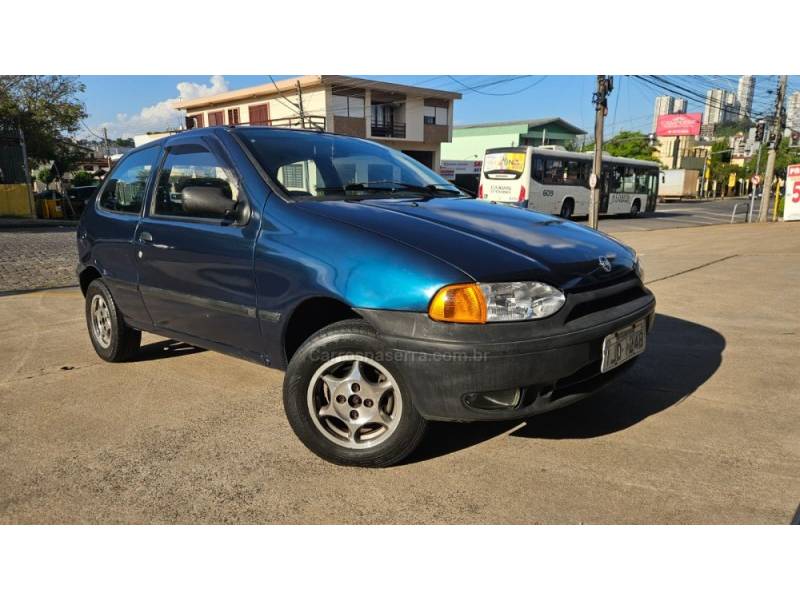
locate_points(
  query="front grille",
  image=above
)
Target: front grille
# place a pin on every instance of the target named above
(604, 298)
(604, 302)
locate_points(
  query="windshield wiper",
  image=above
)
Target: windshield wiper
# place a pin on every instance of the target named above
(378, 185)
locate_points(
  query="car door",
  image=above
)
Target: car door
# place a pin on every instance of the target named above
(196, 270)
(111, 227)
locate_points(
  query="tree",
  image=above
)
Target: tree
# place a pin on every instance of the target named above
(82, 178)
(47, 109)
(732, 128)
(45, 175)
(784, 157)
(628, 144)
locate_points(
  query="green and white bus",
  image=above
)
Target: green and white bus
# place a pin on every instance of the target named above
(557, 182)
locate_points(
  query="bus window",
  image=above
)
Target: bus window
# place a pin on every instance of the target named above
(553, 171)
(616, 183)
(642, 178)
(538, 169)
(629, 181)
(504, 165)
(572, 173)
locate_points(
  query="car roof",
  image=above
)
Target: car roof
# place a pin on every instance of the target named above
(216, 129)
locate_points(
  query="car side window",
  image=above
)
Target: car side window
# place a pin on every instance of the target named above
(192, 166)
(124, 192)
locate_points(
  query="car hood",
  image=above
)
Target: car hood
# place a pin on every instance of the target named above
(489, 242)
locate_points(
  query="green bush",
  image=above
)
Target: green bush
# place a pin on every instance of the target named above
(82, 178)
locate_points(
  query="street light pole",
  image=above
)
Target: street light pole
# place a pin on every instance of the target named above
(604, 87)
(769, 171)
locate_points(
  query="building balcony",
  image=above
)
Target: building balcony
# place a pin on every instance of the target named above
(388, 130)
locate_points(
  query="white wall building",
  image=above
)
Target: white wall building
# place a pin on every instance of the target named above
(744, 96)
(412, 119)
(721, 107)
(663, 106)
(793, 115)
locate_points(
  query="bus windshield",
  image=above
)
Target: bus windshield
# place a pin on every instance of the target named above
(504, 165)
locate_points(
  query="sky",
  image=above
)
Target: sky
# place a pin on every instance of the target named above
(132, 104)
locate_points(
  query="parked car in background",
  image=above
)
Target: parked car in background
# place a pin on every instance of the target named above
(388, 297)
(78, 197)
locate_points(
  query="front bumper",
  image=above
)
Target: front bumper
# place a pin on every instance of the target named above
(555, 361)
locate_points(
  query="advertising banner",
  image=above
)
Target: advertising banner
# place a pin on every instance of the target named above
(680, 124)
(791, 199)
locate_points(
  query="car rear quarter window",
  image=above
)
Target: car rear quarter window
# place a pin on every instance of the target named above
(125, 191)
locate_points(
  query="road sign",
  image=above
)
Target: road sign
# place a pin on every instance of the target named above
(755, 179)
(593, 180)
(791, 198)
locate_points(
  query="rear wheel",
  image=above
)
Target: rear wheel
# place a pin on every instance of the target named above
(112, 339)
(636, 208)
(346, 404)
(567, 208)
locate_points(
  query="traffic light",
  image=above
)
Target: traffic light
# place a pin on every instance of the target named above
(760, 131)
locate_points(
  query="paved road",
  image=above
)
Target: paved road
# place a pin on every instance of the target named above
(672, 215)
(703, 429)
(46, 258)
(37, 258)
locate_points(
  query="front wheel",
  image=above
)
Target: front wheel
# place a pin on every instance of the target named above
(346, 402)
(636, 207)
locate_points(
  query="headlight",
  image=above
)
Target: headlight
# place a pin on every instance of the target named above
(491, 302)
(521, 300)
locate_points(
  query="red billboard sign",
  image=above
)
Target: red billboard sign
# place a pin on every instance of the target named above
(681, 124)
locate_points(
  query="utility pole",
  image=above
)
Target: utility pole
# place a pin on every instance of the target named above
(755, 187)
(26, 166)
(108, 152)
(775, 141)
(600, 100)
(300, 102)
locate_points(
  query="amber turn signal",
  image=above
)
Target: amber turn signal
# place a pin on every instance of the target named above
(460, 303)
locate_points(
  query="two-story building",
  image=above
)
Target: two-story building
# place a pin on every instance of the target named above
(412, 119)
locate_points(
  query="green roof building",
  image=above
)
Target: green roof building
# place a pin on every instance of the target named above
(471, 141)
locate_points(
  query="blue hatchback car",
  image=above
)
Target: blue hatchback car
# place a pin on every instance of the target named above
(388, 296)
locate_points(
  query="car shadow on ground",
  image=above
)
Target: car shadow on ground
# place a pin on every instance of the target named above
(680, 357)
(165, 349)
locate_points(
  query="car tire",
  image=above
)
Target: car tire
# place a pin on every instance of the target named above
(636, 207)
(112, 339)
(567, 208)
(346, 402)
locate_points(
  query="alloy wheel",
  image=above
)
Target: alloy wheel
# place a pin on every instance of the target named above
(354, 401)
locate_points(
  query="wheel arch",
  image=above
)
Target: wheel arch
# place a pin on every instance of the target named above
(308, 317)
(87, 276)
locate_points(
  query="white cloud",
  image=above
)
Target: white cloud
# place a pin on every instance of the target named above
(161, 115)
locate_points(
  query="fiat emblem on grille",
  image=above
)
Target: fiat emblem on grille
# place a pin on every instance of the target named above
(605, 264)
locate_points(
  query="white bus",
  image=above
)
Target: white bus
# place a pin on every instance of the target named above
(557, 181)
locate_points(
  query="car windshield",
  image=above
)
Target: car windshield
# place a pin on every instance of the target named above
(319, 166)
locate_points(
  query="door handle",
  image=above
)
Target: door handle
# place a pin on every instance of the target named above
(146, 237)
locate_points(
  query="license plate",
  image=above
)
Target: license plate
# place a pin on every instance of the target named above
(623, 345)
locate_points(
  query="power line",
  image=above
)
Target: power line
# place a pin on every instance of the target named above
(479, 91)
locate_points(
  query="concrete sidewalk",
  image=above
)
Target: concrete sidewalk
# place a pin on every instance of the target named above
(705, 428)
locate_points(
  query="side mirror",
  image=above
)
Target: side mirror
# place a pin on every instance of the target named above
(207, 202)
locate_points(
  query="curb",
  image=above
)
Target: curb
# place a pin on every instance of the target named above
(35, 223)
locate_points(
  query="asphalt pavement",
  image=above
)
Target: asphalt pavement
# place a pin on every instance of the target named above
(672, 215)
(703, 429)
